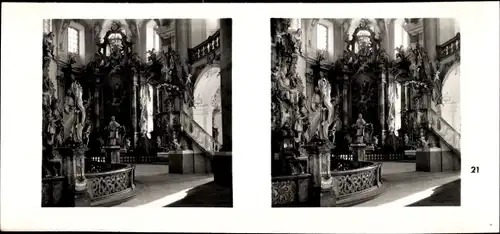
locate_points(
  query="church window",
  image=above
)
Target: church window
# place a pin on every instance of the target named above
(322, 37)
(152, 37)
(73, 41)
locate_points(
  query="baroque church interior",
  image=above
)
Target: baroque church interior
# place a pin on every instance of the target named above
(365, 112)
(136, 111)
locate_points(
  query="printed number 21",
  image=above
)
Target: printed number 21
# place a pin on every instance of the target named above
(474, 169)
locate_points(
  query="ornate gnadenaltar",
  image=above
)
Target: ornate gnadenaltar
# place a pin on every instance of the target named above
(172, 80)
(298, 123)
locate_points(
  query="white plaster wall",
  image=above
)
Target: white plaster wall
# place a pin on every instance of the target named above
(450, 111)
(205, 89)
(447, 29)
(211, 26)
(197, 31)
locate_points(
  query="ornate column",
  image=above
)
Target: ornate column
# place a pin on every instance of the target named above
(345, 101)
(135, 135)
(382, 107)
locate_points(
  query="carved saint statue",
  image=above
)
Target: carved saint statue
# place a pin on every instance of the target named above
(114, 132)
(360, 128)
(325, 92)
(48, 45)
(297, 38)
(75, 112)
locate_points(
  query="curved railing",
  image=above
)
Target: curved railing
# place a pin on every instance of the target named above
(449, 47)
(211, 44)
(118, 180)
(444, 130)
(198, 134)
(350, 182)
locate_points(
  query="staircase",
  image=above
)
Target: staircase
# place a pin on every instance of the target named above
(445, 131)
(198, 135)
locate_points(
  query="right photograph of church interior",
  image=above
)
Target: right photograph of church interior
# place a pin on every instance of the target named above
(365, 112)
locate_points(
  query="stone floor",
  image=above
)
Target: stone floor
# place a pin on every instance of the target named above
(160, 188)
(409, 187)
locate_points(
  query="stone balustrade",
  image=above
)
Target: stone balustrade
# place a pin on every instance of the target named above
(448, 48)
(211, 44)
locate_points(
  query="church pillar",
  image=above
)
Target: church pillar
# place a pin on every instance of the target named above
(430, 37)
(430, 41)
(226, 82)
(344, 100)
(181, 40)
(382, 107)
(222, 161)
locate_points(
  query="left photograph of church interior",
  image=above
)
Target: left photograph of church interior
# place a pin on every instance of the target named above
(137, 113)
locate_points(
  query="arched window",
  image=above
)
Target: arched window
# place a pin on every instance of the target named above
(47, 25)
(322, 37)
(73, 41)
(152, 37)
(401, 37)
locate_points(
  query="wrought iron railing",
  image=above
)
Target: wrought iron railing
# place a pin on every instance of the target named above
(198, 134)
(113, 182)
(444, 130)
(211, 44)
(448, 48)
(354, 181)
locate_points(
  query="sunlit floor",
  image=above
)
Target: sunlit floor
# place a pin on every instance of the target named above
(407, 187)
(160, 189)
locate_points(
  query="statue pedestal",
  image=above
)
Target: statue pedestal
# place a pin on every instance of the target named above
(324, 190)
(112, 154)
(358, 152)
(73, 160)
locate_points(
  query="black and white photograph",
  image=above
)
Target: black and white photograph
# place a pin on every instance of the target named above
(137, 113)
(365, 112)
